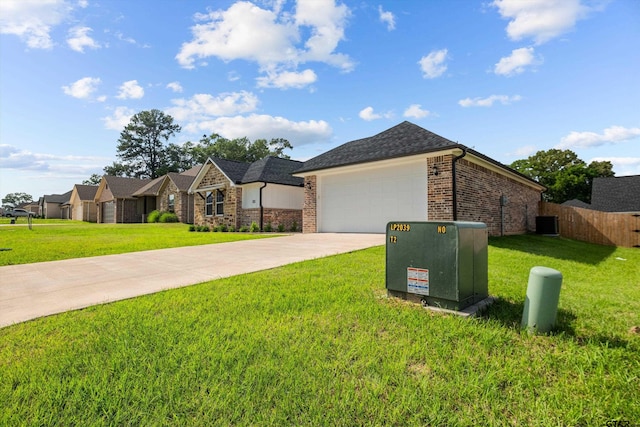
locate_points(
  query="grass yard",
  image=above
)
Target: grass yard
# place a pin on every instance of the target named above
(319, 343)
(55, 240)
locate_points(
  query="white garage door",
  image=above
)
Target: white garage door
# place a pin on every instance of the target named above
(365, 201)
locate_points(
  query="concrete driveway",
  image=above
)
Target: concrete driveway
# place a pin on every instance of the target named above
(34, 290)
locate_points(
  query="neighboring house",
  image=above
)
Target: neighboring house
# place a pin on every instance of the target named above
(31, 207)
(54, 206)
(82, 206)
(171, 193)
(116, 202)
(236, 194)
(407, 173)
(620, 194)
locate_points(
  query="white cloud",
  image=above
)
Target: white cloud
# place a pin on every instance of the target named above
(33, 20)
(175, 86)
(416, 111)
(387, 18)
(130, 90)
(18, 159)
(78, 38)
(433, 65)
(257, 126)
(610, 135)
(83, 88)
(525, 151)
(271, 38)
(203, 106)
(489, 101)
(119, 119)
(516, 63)
(540, 20)
(368, 114)
(288, 79)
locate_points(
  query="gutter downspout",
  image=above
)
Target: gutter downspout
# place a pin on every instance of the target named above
(261, 207)
(453, 183)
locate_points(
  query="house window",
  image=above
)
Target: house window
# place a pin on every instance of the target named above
(171, 202)
(208, 204)
(219, 203)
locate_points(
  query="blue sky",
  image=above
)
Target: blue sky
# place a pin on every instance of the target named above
(506, 77)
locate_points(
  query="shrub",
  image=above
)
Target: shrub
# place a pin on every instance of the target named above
(205, 228)
(243, 229)
(168, 217)
(153, 216)
(254, 227)
(192, 228)
(223, 228)
(281, 228)
(294, 227)
(232, 229)
(268, 228)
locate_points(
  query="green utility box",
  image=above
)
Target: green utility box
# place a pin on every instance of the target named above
(440, 263)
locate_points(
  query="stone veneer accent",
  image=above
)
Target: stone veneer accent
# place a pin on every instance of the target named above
(183, 202)
(309, 210)
(234, 215)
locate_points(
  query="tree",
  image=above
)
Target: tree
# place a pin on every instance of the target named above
(240, 149)
(565, 175)
(141, 144)
(94, 179)
(15, 199)
(119, 169)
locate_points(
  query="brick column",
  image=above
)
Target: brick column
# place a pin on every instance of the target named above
(439, 188)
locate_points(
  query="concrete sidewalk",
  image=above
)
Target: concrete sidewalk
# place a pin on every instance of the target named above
(35, 290)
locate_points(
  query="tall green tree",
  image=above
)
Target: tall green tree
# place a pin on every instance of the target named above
(94, 179)
(240, 149)
(141, 146)
(565, 175)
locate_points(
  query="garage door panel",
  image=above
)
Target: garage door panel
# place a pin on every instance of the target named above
(365, 201)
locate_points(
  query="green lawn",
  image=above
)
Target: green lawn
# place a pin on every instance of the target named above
(319, 343)
(54, 240)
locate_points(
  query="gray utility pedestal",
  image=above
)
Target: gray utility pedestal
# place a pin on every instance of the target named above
(439, 263)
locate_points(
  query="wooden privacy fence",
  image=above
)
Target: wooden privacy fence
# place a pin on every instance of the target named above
(603, 228)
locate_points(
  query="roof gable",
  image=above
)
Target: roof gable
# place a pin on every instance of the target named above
(234, 170)
(86, 192)
(57, 198)
(123, 188)
(405, 139)
(273, 170)
(616, 194)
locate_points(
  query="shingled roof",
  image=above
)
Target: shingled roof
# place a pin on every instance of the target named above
(273, 170)
(405, 139)
(617, 194)
(124, 188)
(233, 169)
(86, 192)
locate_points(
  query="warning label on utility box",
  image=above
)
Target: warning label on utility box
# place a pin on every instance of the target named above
(418, 281)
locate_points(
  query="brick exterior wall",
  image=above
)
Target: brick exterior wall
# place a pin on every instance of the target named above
(286, 217)
(439, 189)
(478, 198)
(309, 210)
(479, 192)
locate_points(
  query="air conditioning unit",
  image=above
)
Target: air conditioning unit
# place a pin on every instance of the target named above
(439, 263)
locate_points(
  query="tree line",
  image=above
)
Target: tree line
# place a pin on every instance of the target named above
(144, 150)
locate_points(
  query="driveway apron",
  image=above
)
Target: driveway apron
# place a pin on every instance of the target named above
(30, 291)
